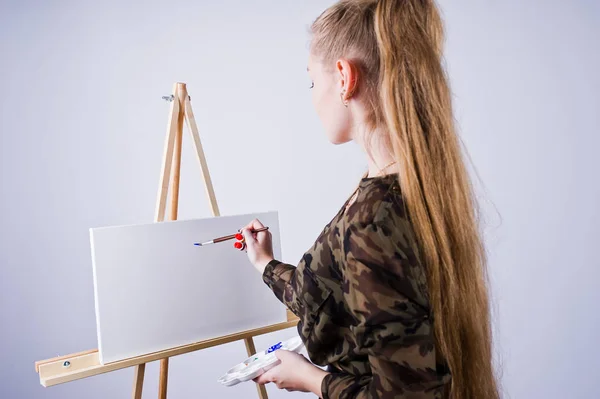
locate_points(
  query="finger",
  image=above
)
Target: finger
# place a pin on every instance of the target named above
(260, 379)
(256, 224)
(248, 226)
(264, 378)
(248, 236)
(285, 355)
(264, 236)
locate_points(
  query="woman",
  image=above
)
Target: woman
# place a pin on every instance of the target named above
(392, 296)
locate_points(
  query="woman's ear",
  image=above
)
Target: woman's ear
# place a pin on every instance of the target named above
(347, 77)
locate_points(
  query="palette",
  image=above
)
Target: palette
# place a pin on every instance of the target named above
(259, 363)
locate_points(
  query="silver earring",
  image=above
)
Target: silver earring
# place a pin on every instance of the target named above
(342, 97)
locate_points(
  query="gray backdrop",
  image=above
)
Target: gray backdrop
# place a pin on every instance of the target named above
(82, 128)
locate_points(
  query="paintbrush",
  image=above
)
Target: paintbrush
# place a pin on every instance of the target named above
(229, 237)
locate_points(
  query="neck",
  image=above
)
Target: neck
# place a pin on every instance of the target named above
(380, 159)
(380, 166)
(374, 144)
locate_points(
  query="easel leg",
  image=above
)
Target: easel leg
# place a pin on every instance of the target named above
(176, 168)
(163, 378)
(262, 391)
(165, 174)
(138, 381)
(191, 121)
(180, 94)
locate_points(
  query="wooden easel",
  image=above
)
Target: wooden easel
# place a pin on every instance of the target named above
(76, 366)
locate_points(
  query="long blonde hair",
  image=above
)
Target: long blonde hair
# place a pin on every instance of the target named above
(396, 45)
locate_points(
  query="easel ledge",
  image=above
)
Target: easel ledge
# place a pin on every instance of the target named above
(87, 364)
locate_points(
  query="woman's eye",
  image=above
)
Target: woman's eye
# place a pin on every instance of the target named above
(312, 84)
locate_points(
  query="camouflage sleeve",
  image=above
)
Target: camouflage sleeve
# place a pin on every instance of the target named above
(393, 330)
(281, 278)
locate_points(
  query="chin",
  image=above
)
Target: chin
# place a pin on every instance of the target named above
(338, 142)
(337, 139)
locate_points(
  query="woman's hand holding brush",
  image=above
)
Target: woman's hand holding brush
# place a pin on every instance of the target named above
(259, 245)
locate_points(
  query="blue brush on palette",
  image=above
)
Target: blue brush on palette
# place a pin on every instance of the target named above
(259, 363)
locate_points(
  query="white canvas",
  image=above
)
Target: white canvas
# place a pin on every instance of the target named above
(155, 290)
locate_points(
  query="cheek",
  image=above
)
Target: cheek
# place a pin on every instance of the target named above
(320, 103)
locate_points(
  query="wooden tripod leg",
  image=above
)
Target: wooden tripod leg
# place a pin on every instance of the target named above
(176, 160)
(165, 174)
(191, 122)
(176, 170)
(138, 381)
(162, 378)
(262, 391)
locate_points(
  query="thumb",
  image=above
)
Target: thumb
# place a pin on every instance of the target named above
(284, 354)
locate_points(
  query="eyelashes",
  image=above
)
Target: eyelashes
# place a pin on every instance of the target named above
(312, 84)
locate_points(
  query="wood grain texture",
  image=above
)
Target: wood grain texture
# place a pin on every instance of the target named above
(176, 167)
(167, 161)
(138, 381)
(191, 121)
(63, 358)
(163, 378)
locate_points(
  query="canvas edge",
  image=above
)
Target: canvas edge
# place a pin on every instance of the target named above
(96, 302)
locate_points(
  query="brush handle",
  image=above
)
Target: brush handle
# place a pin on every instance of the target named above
(260, 229)
(232, 236)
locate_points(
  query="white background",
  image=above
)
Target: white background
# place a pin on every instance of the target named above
(82, 128)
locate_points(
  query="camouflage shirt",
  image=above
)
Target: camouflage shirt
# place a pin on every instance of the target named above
(360, 293)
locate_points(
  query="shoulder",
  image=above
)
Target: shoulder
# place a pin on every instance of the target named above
(379, 234)
(379, 202)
